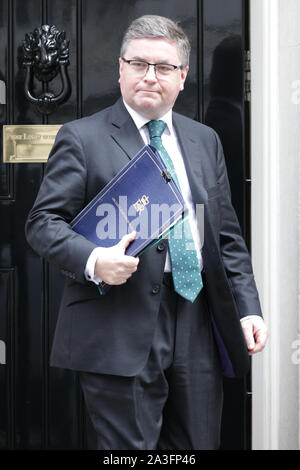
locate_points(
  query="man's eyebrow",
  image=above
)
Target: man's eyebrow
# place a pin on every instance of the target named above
(164, 61)
(136, 57)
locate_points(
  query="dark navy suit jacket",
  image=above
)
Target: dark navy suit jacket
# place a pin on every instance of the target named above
(112, 334)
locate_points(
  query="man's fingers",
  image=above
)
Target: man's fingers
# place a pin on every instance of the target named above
(127, 264)
(126, 240)
(256, 334)
(123, 269)
(261, 337)
(113, 266)
(248, 333)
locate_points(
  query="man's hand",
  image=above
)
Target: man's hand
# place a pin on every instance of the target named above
(113, 266)
(256, 334)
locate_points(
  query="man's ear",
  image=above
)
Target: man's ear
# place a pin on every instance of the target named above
(121, 63)
(183, 75)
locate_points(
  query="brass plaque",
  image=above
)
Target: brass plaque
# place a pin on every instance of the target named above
(28, 144)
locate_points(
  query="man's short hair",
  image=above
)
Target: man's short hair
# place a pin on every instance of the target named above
(154, 26)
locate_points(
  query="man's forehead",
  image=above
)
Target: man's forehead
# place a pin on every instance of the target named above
(152, 46)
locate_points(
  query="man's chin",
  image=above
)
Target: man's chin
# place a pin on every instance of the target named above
(149, 108)
(149, 101)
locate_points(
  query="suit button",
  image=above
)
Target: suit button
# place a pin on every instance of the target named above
(156, 289)
(160, 247)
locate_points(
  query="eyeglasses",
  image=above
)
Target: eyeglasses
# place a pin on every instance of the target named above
(141, 67)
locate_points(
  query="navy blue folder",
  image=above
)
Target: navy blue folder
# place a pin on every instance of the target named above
(141, 197)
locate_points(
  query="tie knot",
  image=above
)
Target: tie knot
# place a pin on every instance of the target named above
(156, 128)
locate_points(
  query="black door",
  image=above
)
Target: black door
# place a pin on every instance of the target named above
(42, 407)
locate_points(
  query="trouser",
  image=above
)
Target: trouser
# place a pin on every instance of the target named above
(175, 402)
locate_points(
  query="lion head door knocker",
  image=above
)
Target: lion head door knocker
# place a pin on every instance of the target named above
(46, 54)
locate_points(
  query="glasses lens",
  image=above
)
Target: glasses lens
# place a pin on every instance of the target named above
(164, 69)
(138, 66)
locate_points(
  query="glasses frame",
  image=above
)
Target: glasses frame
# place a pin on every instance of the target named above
(175, 67)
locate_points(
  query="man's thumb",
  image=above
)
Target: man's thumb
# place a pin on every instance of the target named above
(126, 240)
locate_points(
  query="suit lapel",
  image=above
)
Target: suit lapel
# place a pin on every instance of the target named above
(192, 159)
(124, 131)
(126, 135)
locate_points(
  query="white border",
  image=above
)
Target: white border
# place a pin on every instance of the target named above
(265, 154)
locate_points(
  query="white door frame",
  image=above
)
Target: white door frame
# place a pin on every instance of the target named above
(275, 131)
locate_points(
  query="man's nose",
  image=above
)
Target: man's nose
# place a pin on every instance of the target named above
(150, 75)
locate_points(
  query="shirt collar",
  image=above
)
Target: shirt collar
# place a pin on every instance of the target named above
(140, 121)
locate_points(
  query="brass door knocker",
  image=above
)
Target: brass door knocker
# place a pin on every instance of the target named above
(46, 53)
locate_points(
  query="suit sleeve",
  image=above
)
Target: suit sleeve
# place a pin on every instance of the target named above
(61, 196)
(234, 253)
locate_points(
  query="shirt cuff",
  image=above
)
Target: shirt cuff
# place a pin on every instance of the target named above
(250, 316)
(90, 266)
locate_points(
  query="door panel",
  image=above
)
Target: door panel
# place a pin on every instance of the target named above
(42, 407)
(224, 43)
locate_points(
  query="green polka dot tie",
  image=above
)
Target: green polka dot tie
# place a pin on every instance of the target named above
(185, 264)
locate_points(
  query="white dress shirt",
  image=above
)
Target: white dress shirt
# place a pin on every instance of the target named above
(170, 142)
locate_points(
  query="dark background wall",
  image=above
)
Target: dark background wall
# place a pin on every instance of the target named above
(42, 407)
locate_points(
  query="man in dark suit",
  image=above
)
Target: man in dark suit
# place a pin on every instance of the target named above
(150, 355)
